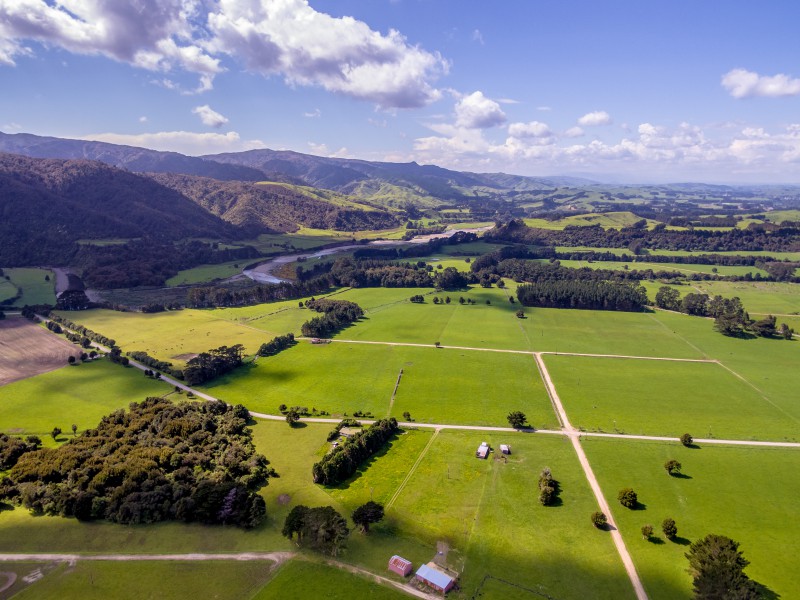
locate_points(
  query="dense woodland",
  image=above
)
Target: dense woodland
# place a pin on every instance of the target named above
(158, 461)
(213, 363)
(583, 294)
(336, 315)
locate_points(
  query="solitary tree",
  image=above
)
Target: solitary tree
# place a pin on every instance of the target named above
(366, 514)
(517, 419)
(71, 359)
(292, 418)
(55, 433)
(599, 519)
(669, 528)
(407, 416)
(628, 498)
(717, 569)
(520, 314)
(672, 466)
(647, 531)
(687, 439)
(74, 429)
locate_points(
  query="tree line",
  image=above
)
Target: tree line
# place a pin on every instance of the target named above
(583, 294)
(158, 461)
(276, 345)
(336, 314)
(343, 460)
(213, 363)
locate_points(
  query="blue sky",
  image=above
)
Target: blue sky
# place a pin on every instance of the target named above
(621, 91)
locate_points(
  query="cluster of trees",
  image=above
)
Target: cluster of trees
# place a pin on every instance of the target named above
(276, 345)
(213, 363)
(98, 338)
(343, 423)
(336, 314)
(158, 461)
(586, 294)
(717, 568)
(755, 237)
(343, 460)
(159, 365)
(730, 317)
(378, 273)
(12, 448)
(548, 488)
(320, 528)
(211, 296)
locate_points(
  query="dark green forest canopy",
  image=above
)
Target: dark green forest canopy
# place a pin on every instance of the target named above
(158, 461)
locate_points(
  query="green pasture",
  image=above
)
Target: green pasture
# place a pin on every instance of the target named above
(35, 290)
(768, 366)
(173, 335)
(758, 297)
(488, 511)
(391, 317)
(155, 580)
(607, 220)
(437, 385)
(620, 251)
(207, 273)
(647, 397)
(81, 394)
(747, 494)
(301, 580)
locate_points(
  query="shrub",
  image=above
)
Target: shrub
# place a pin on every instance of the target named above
(669, 528)
(599, 520)
(628, 498)
(687, 439)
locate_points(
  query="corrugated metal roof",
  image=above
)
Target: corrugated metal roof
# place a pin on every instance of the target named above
(400, 561)
(435, 577)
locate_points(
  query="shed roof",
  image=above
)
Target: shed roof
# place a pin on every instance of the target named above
(400, 561)
(435, 576)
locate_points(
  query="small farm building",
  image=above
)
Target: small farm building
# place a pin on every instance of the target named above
(505, 448)
(434, 578)
(483, 450)
(399, 565)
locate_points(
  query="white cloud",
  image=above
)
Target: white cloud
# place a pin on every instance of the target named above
(314, 114)
(272, 37)
(12, 127)
(185, 142)
(143, 119)
(323, 150)
(544, 108)
(476, 111)
(209, 116)
(598, 117)
(742, 83)
(534, 129)
(477, 36)
(507, 101)
(573, 132)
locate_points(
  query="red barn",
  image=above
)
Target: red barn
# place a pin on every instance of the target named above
(434, 578)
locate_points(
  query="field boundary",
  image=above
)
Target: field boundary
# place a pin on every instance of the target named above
(411, 471)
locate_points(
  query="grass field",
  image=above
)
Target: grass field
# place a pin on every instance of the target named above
(80, 394)
(153, 580)
(438, 385)
(646, 397)
(300, 580)
(35, 290)
(681, 268)
(205, 273)
(744, 493)
(7, 289)
(26, 349)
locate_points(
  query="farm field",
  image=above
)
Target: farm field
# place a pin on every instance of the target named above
(681, 268)
(437, 385)
(26, 349)
(80, 394)
(620, 251)
(717, 494)
(647, 397)
(154, 580)
(300, 580)
(205, 273)
(35, 290)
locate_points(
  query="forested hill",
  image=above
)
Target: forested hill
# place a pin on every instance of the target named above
(276, 206)
(48, 204)
(124, 157)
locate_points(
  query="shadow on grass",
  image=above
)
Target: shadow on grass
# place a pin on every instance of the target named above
(654, 539)
(681, 476)
(639, 506)
(365, 465)
(681, 541)
(299, 425)
(765, 593)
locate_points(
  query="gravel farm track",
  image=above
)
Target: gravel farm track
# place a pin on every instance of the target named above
(26, 349)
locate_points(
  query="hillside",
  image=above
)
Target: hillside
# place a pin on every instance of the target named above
(48, 204)
(124, 157)
(277, 206)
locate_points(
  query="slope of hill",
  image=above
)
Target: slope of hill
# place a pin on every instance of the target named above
(48, 204)
(277, 206)
(124, 157)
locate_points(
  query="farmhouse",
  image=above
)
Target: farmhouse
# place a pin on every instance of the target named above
(399, 565)
(482, 451)
(505, 448)
(434, 578)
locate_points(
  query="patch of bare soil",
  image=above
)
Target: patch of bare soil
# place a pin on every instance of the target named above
(284, 499)
(186, 356)
(26, 349)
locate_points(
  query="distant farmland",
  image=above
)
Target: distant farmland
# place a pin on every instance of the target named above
(27, 350)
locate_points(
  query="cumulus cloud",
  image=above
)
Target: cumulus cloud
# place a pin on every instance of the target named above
(323, 150)
(573, 132)
(209, 116)
(286, 38)
(143, 119)
(314, 114)
(742, 83)
(598, 117)
(476, 111)
(185, 142)
(534, 129)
